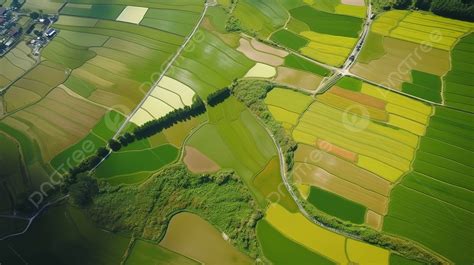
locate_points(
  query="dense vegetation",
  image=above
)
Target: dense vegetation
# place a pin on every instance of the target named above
(144, 211)
(457, 9)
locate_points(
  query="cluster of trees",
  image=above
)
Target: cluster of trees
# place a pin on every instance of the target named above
(458, 9)
(218, 96)
(83, 190)
(221, 199)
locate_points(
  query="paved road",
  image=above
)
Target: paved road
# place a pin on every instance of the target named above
(341, 72)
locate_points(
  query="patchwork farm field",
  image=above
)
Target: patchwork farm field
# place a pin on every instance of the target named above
(412, 51)
(309, 32)
(236, 132)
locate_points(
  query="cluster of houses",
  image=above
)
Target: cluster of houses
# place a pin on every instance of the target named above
(17, 25)
(10, 31)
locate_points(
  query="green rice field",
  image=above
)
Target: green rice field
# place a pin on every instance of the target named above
(441, 185)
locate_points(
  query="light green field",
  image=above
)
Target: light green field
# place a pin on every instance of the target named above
(209, 64)
(234, 139)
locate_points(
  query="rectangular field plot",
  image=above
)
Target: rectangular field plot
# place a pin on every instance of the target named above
(337, 206)
(132, 14)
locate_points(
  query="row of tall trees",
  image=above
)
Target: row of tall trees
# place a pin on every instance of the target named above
(218, 96)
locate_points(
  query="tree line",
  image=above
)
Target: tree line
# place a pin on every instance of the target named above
(74, 181)
(218, 96)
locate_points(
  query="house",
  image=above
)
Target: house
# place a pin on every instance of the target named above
(51, 33)
(2, 11)
(9, 42)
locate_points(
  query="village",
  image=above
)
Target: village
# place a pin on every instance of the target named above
(17, 24)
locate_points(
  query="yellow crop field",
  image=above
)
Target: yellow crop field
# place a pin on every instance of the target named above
(363, 253)
(329, 48)
(283, 115)
(363, 143)
(396, 99)
(288, 99)
(323, 57)
(350, 10)
(302, 137)
(327, 243)
(387, 21)
(418, 27)
(303, 190)
(329, 39)
(299, 229)
(406, 124)
(385, 171)
(407, 113)
(399, 135)
(346, 105)
(431, 29)
(407, 34)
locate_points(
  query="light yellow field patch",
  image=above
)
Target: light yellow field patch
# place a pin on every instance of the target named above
(167, 96)
(156, 107)
(141, 117)
(252, 53)
(132, 14)
(353, 2)
(261, 70)
(352, 10)
(363, 253)
(184, 91)
(396, 99)
(385, 171)
(407, 113)
(297, 228)
(283, 115)
(406, 124)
